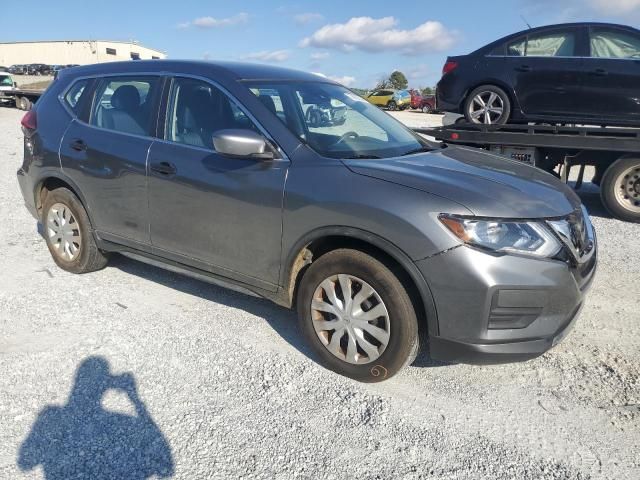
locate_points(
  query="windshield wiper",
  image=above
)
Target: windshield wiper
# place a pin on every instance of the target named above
(362, 157)
(417, 150)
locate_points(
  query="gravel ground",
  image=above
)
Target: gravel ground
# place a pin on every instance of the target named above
(135, 372)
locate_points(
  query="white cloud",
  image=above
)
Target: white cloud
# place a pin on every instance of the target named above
(376, 35)
(269, 56)
(319, 56)
(345, 80)
(615, 7)
(308, 17)
(211, 22)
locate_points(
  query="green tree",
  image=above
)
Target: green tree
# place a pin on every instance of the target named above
(398, 80)
(427, 91)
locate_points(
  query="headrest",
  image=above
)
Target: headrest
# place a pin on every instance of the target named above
(126, 97)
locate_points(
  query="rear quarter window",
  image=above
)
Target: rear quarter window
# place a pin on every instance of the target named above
(74, 94)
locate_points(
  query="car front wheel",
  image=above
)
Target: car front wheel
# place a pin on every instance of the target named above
(392, 106)
(488, 105)
(357, 316)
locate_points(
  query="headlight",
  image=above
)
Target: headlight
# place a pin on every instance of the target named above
(525, 238)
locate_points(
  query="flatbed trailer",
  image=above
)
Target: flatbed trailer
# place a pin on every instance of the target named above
(614, 152)
(23, 99)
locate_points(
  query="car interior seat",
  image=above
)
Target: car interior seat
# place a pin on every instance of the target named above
(125, 114)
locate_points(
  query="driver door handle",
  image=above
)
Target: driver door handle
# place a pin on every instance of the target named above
(523, 68)
(600, 72)
(164, 168)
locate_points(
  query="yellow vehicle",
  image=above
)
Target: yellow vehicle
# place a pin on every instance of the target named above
(391, 99)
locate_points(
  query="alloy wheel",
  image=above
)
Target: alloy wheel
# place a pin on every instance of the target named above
(486, 108)
(350, 319)
(63, 231)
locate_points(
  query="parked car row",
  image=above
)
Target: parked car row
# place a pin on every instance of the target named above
(402, 99)
(35, 69)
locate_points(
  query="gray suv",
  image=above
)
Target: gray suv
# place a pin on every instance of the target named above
(375, 235)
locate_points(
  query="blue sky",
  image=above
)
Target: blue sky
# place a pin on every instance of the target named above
(353, 41)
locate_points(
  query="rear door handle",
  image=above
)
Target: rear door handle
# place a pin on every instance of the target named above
(78, 145)
(600, 72)
(164, 168)
(523, 68)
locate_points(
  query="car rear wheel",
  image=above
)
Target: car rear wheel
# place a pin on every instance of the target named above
(427, 109)
(488, 105)
(69, 235)
(392, 105)
(23, 103)
(357, 316)
(620, 189)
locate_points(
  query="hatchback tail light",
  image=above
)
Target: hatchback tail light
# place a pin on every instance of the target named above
(29, 121)
(449, 67)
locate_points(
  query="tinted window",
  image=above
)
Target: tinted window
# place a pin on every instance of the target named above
(124, 104)
(6, 81)
(614, 44)
(197, 110)
(555, 44)
(72, 98)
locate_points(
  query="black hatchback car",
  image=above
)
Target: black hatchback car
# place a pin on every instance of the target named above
(569, 73)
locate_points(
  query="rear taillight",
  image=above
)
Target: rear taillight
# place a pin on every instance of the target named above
(449, 67)
(29, 121)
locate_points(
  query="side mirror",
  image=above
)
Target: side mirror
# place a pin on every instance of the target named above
(15, 84)
(240, 143)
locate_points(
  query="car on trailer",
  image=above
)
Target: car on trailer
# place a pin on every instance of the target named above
(580, 73)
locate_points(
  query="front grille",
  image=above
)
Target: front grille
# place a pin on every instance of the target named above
(576, 232)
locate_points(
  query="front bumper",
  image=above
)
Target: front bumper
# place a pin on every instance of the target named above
(502, 308)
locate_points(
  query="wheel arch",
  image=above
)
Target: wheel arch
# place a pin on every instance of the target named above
(323, 240)
(52, 181)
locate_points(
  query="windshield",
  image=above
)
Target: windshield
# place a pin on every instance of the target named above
(6, 81)
(336, 122)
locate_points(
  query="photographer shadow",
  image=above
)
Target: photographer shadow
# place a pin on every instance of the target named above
(83, 440)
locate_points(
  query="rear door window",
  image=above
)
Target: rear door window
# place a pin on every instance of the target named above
(125, 104)
(549, 44)
(614, 44)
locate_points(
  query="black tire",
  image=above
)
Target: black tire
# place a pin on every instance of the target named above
(620, 180)
(427, 109)
(487, 90)
(90, 258)
(403, 343)
(392, 106)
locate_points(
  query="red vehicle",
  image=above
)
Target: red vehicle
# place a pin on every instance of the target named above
(426, 103)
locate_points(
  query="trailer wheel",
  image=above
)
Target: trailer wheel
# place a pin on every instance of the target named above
(620, 189)
(23, 103)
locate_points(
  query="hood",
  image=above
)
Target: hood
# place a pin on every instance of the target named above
(489, 185)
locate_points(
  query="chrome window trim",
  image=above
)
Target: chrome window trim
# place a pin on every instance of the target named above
(170, 76)
(107, 75)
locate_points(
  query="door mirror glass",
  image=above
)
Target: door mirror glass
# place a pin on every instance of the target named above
(241, 143)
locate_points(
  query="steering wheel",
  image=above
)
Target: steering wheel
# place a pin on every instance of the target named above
(351, 134)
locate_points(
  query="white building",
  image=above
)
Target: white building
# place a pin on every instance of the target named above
(64, 52)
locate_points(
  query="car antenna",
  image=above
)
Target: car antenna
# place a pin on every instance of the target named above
(525, 21)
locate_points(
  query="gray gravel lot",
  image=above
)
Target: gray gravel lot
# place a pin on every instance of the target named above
(221, 385)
